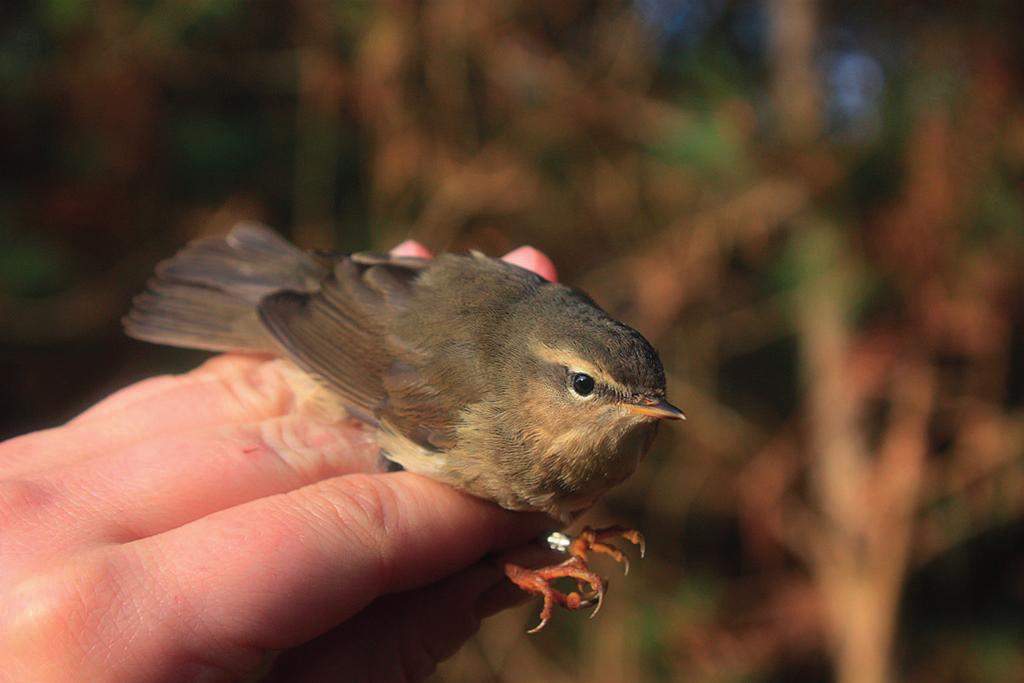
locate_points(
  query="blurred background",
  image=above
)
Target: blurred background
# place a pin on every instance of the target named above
(815, 210)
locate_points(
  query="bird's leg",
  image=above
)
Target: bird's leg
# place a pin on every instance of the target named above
(538, 581)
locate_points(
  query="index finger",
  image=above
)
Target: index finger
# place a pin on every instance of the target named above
(228, 389)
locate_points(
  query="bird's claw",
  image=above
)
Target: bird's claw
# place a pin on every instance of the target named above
(593, 540)
(538, 581)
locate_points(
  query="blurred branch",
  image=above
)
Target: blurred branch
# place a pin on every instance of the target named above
(682, 262)
(795, 85)
(861, 543)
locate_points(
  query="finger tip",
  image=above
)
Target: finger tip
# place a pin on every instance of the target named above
(532, 259)
(411, 248)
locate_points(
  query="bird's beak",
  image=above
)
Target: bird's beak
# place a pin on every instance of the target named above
(662, 410)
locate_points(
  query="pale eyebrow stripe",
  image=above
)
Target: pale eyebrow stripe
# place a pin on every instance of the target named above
(574, 362)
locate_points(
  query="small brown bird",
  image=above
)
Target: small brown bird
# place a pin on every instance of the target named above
(468, 369)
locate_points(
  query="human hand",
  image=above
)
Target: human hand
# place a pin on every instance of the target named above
(186, 526)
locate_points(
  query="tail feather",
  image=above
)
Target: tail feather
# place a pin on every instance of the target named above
(205, 297)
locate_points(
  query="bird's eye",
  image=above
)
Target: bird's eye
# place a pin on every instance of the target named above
(582, 384)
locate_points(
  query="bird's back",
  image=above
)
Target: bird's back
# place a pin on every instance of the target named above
(404, 341)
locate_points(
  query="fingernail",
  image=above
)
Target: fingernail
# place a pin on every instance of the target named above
(532, 259)
(411, 248)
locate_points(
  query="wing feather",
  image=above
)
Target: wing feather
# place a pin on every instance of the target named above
(345, 333)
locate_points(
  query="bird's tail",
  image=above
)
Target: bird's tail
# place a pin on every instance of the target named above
(205, 296)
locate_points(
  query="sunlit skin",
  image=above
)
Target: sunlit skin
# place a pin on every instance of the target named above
(184, 526)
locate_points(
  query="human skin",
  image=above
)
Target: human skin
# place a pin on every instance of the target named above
(187, 526)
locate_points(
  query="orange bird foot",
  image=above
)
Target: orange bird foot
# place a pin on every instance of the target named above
(538, 581)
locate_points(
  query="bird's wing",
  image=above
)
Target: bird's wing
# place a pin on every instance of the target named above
(345, 334)
(204, 297)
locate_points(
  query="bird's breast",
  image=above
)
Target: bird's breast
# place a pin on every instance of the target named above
(585, 468)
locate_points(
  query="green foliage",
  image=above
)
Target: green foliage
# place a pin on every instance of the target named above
(708, 145)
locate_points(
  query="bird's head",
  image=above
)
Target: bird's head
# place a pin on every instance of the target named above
(591, 381)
